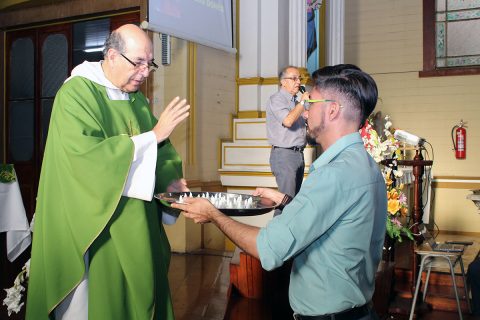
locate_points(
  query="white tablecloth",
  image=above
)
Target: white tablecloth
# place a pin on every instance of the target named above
(13, 220)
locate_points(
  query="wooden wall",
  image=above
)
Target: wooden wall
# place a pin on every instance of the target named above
(385, 39)
(65, 9)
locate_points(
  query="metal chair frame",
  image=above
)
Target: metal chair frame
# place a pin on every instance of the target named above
(432, 259)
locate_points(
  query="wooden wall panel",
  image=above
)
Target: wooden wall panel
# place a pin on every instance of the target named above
(385, 38)
(63, 10)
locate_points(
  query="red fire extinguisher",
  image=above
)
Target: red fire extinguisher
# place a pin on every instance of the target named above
(460, 140)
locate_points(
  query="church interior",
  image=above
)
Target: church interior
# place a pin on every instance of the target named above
(424, 59)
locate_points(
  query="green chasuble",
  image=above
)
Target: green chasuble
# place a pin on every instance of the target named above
(80, 208)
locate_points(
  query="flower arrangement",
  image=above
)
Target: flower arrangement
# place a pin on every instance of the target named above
(397, 208)
(381, 148)
(13, 301)
(7, 173)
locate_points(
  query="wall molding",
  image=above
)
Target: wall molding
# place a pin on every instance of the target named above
(257, 81)
(456, 182)
(250, 114)
(206, 185)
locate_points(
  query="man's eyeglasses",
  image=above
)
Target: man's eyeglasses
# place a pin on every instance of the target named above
(308, 102)
(294, 78)
(151, 66)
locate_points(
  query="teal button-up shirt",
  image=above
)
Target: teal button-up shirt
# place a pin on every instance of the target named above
(333, 229)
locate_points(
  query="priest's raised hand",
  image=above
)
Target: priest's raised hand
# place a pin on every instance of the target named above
(175, 112)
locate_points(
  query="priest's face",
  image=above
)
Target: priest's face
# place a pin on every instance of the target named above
(134, 65)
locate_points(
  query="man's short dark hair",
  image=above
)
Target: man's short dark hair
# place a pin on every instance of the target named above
(354, 85)
(114, 41)
(332, 70)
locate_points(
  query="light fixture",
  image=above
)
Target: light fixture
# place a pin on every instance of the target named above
(93, 49)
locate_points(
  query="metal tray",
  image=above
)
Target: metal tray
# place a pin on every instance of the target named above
(259, 205)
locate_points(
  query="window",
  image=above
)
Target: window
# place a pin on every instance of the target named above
(451, 45)
(88, 39)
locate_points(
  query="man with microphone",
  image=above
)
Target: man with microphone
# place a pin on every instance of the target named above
(286, 132)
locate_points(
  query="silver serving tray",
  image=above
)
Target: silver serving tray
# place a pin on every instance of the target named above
(260, 205)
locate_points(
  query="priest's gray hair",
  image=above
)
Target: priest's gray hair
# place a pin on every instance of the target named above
(114, 41)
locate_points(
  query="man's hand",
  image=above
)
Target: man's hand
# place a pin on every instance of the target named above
(202, 211)
(198, 209)
(174, 113)
(296, 112)
(305, 96)
(178, 186)
(271, 194)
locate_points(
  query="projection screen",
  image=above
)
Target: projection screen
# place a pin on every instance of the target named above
(207, 22)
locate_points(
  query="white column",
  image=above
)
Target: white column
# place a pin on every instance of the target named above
(249, 36)
(297, 33)
(335, 29)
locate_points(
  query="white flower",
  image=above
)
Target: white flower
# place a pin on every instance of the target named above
(26, 267)
(12, 300)
(18, 280)
(14, 294)
(32, 223)
(15, 308)
(398, 173)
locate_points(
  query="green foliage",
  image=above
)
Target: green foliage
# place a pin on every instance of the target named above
(395, 232)
(7, 173)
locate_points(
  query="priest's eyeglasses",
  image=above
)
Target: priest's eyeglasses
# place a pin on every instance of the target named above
(150, 66)
(308, 102)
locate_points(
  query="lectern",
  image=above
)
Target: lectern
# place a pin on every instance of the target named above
(418, 165)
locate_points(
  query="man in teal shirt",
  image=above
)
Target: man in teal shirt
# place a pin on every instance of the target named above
(334, 227)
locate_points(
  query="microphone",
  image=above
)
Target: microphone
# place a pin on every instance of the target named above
(408, 138)
(301, 89)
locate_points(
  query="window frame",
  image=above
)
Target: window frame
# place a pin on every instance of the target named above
(429, 54)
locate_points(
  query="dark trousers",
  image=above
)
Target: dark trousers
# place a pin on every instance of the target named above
(473, 279)
(369, 315)
(288, 167)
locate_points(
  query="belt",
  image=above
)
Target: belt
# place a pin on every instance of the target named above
(299, 149)
(350, 314)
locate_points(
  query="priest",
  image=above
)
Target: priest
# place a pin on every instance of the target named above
(99, 247)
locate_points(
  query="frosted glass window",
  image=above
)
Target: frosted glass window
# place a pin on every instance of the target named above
(21, 130)
(462, 4)
(54, 64)
(22, 69)
(456, 33)
(21, 107)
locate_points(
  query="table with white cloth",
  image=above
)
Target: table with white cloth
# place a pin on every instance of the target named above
(13, 220)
